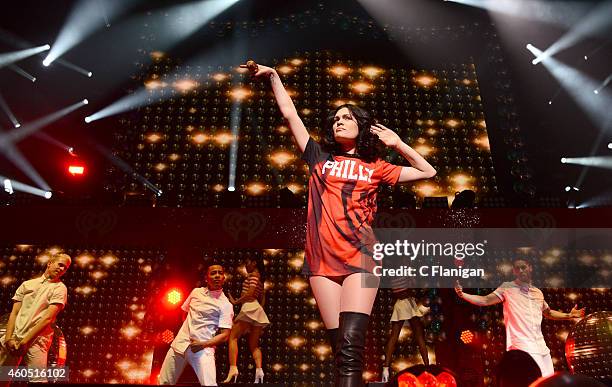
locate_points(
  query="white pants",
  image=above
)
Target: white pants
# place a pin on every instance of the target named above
(34, 357)
(545, 363)
(202, 362)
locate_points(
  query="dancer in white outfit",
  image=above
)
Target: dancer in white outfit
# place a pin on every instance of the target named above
(524, 307)
(208, 324)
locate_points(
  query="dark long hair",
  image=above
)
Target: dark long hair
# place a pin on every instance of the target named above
(259, 263)
(368, 148)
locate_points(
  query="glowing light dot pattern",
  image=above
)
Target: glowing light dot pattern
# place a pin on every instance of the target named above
(467, 337)
(196, 126)
(174, 296)
(167, 336)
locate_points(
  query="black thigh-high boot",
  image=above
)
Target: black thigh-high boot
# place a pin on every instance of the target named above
(350, 349)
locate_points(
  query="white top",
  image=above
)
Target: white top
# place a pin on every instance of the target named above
(207, 311)
(523, 307)
(35, 296)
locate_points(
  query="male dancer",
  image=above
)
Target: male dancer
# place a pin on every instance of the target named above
(208, 323)
(524, 307)
(29, 333)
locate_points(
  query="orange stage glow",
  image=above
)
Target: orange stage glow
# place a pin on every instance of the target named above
(482, 142)
(281, 158)
(256, 188)
(199, 138)
(339, 70)
(154, 84)
(219, 77)
(224, 138)
(362, 87)
(154, 137)
(426, 189)
(185, 85)
(371, 71)
(284, 69)
(240, 93)
(425, 80)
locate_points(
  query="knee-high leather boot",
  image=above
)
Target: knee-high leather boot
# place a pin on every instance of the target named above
(332, 336)
(350, 349)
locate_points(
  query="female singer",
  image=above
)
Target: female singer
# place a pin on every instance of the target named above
(345, 172)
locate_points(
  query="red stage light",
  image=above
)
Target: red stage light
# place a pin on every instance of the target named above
(174, 296)
(167, 336)
(76, 170)
(467, 337)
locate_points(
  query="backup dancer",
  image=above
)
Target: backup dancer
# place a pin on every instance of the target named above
(252, 319)
(524, 307)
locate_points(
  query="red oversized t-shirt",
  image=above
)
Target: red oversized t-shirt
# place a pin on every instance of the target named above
(341, 208)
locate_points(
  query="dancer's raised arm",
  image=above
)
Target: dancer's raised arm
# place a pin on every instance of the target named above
(284, 103)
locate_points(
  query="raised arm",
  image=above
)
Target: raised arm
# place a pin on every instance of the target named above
(489, 299)
(419, 169)
(285, 104)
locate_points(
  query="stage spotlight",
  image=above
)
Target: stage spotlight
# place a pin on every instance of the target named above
(231, 188)
(71, 151)
(579, 86)
(88, 119)
(15, 56)
(610, 145)
(567, 188)
(46, 63)
(8, 112)
(18, 186)
(89, 74)
(563, 160)
(85, 102)
(593, 161)
(22, 72)
(595, 23)
(467, 337)
(603, 84)
(127, 168)
(32, 127)
(8, 187)
(174, 296)
(83, 20)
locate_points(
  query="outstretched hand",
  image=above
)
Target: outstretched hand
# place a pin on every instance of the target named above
(386, 135)
(577, 313)
(261, 69)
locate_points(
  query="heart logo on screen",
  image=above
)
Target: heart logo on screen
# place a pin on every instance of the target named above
(238, 224)
(99, 222)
